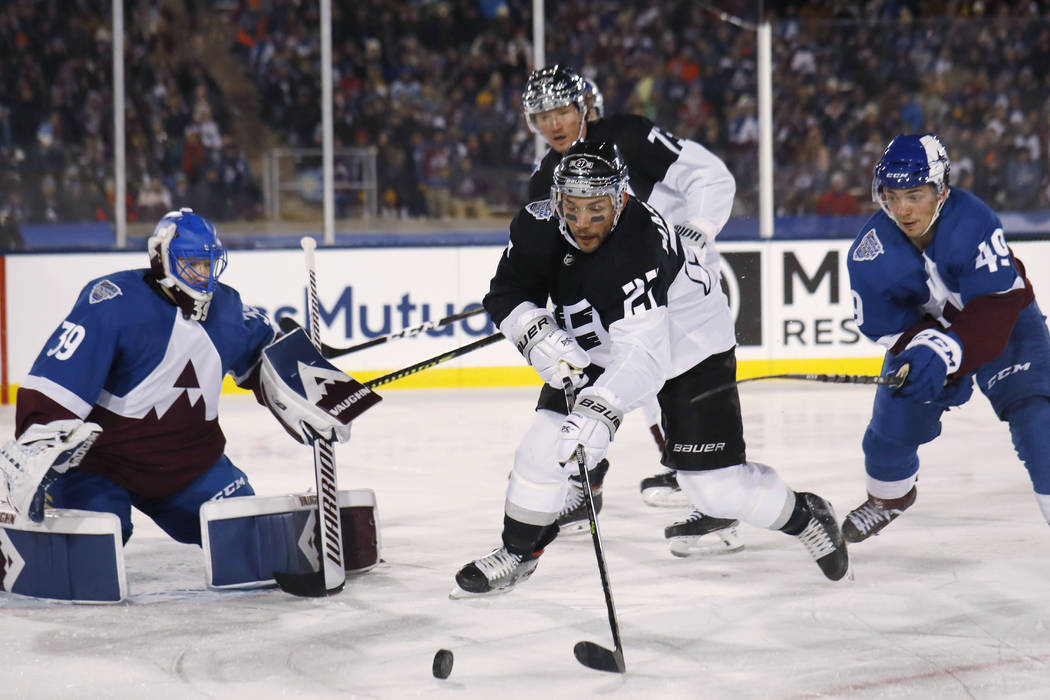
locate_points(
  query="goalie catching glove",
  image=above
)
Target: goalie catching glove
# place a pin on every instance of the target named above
(545, 345)
(32, 461)
(592, 424)
(308, 394)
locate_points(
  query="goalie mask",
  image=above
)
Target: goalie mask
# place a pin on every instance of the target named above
(912, 160)
(590, 169)
(550, 88)
(187, 258)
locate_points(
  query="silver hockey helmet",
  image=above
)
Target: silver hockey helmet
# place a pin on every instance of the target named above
(550, 88)
(590, 169)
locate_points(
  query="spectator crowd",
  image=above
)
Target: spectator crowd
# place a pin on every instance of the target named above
(56, 116)
(434, 87)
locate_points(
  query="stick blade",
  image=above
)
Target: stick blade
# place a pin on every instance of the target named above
(599, 658)
(309, 585)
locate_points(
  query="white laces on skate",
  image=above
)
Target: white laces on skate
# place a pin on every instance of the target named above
(498, 564)
(816, 539)
(868, 517)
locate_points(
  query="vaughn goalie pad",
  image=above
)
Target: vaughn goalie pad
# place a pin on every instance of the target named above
(245, 540)
(301, 388)
(73, 555)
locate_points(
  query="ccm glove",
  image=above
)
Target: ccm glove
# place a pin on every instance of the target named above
(31, 462)
(592, 424)
(545, 346)
(931, 356)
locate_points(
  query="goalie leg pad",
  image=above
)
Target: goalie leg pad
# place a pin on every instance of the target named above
(245, 540)
(73, 555)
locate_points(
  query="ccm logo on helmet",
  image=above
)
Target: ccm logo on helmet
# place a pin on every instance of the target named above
(706, 447)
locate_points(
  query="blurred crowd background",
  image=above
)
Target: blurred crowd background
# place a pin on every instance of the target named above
(433, 88)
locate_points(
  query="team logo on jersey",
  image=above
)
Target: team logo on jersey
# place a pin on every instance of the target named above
(103, 290)
(541, 210)
(869, 248)
(568, 260)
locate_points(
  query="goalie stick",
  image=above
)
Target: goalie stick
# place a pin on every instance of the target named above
(895, 380)
(331, 577)
(287, 325)
(590, 654)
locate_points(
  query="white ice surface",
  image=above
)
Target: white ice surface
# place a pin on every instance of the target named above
(951, 601)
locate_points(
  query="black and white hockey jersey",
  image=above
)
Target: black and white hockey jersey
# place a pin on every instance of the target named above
(644, 308)
(679, 178)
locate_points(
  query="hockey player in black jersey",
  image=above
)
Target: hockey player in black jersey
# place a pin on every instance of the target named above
(633, 318)
(690, 187)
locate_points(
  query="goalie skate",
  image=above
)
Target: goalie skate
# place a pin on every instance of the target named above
(496, 572)
(702, 534)
(573, 518)
(662, 491)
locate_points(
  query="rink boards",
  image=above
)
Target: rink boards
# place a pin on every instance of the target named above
(791, 302)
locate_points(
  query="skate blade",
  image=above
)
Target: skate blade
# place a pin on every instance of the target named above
(711, 544)
(575, 528)
(458, 593)
(663, 497)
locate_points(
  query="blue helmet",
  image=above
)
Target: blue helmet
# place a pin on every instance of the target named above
(187, 258)
(912, 160)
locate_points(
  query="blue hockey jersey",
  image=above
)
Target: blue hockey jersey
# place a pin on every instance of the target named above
(967, 280)
(127, 359)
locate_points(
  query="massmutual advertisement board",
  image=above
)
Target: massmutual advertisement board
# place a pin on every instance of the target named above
(791, 302)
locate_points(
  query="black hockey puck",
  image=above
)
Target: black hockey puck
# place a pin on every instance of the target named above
(442, 663)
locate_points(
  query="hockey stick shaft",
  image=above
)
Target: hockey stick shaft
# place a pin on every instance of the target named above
(435, 360)
(894, 380)
(330, 351)
(588, 653)
(330, 544)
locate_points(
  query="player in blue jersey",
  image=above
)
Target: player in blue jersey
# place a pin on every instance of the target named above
(127, 391)
(936, 284)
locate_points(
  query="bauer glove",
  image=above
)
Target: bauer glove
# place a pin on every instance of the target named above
(592, 424)
(546, 346)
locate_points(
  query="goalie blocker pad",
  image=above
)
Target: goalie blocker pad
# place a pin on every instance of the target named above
(299, 386)
(75, 556)
(245, 540)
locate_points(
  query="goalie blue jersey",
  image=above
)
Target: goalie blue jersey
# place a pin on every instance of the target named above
(127, 359)
(967, 280)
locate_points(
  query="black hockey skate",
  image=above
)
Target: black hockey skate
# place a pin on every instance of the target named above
(871, 516)
(823, 538)
(573, 516)
(496, 572)
(703, 534)
(662, 491)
